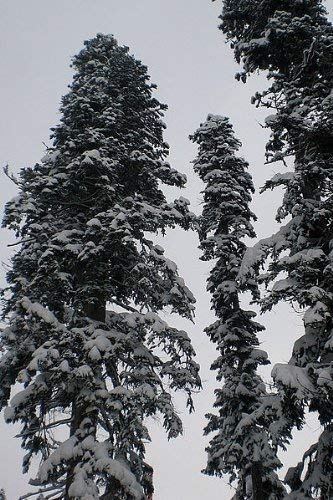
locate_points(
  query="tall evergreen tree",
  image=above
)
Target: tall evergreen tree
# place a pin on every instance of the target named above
(85, 288)
(293, 42)
(2, 494)
(243, 445)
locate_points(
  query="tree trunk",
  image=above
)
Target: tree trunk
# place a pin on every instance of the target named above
(112, 488)
(97, 313)
(257, 488)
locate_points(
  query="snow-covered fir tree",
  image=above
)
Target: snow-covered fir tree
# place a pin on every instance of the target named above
(2, 494)
(243, 444)
(293, 42)
(84, 337)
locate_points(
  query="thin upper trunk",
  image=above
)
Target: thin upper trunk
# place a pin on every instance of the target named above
(79, 412)
(257, 486)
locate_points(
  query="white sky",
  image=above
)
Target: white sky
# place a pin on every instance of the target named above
(194, 69)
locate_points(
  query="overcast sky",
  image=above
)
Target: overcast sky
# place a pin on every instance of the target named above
(187, 57)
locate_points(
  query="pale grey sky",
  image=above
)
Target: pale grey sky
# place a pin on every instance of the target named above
(186, 55)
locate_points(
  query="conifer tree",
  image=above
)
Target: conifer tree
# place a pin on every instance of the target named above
(84, 337)
(2, 494)
(293, 42)
(243, 445)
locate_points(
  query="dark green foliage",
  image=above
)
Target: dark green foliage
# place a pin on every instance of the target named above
(245, 436)
(85, 288)
(293, 42)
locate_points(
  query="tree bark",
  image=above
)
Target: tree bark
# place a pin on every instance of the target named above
(79, 412)
(257, 486)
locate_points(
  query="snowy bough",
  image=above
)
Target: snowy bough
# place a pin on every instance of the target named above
(293, 42)
(245, 440)
(84, 337)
